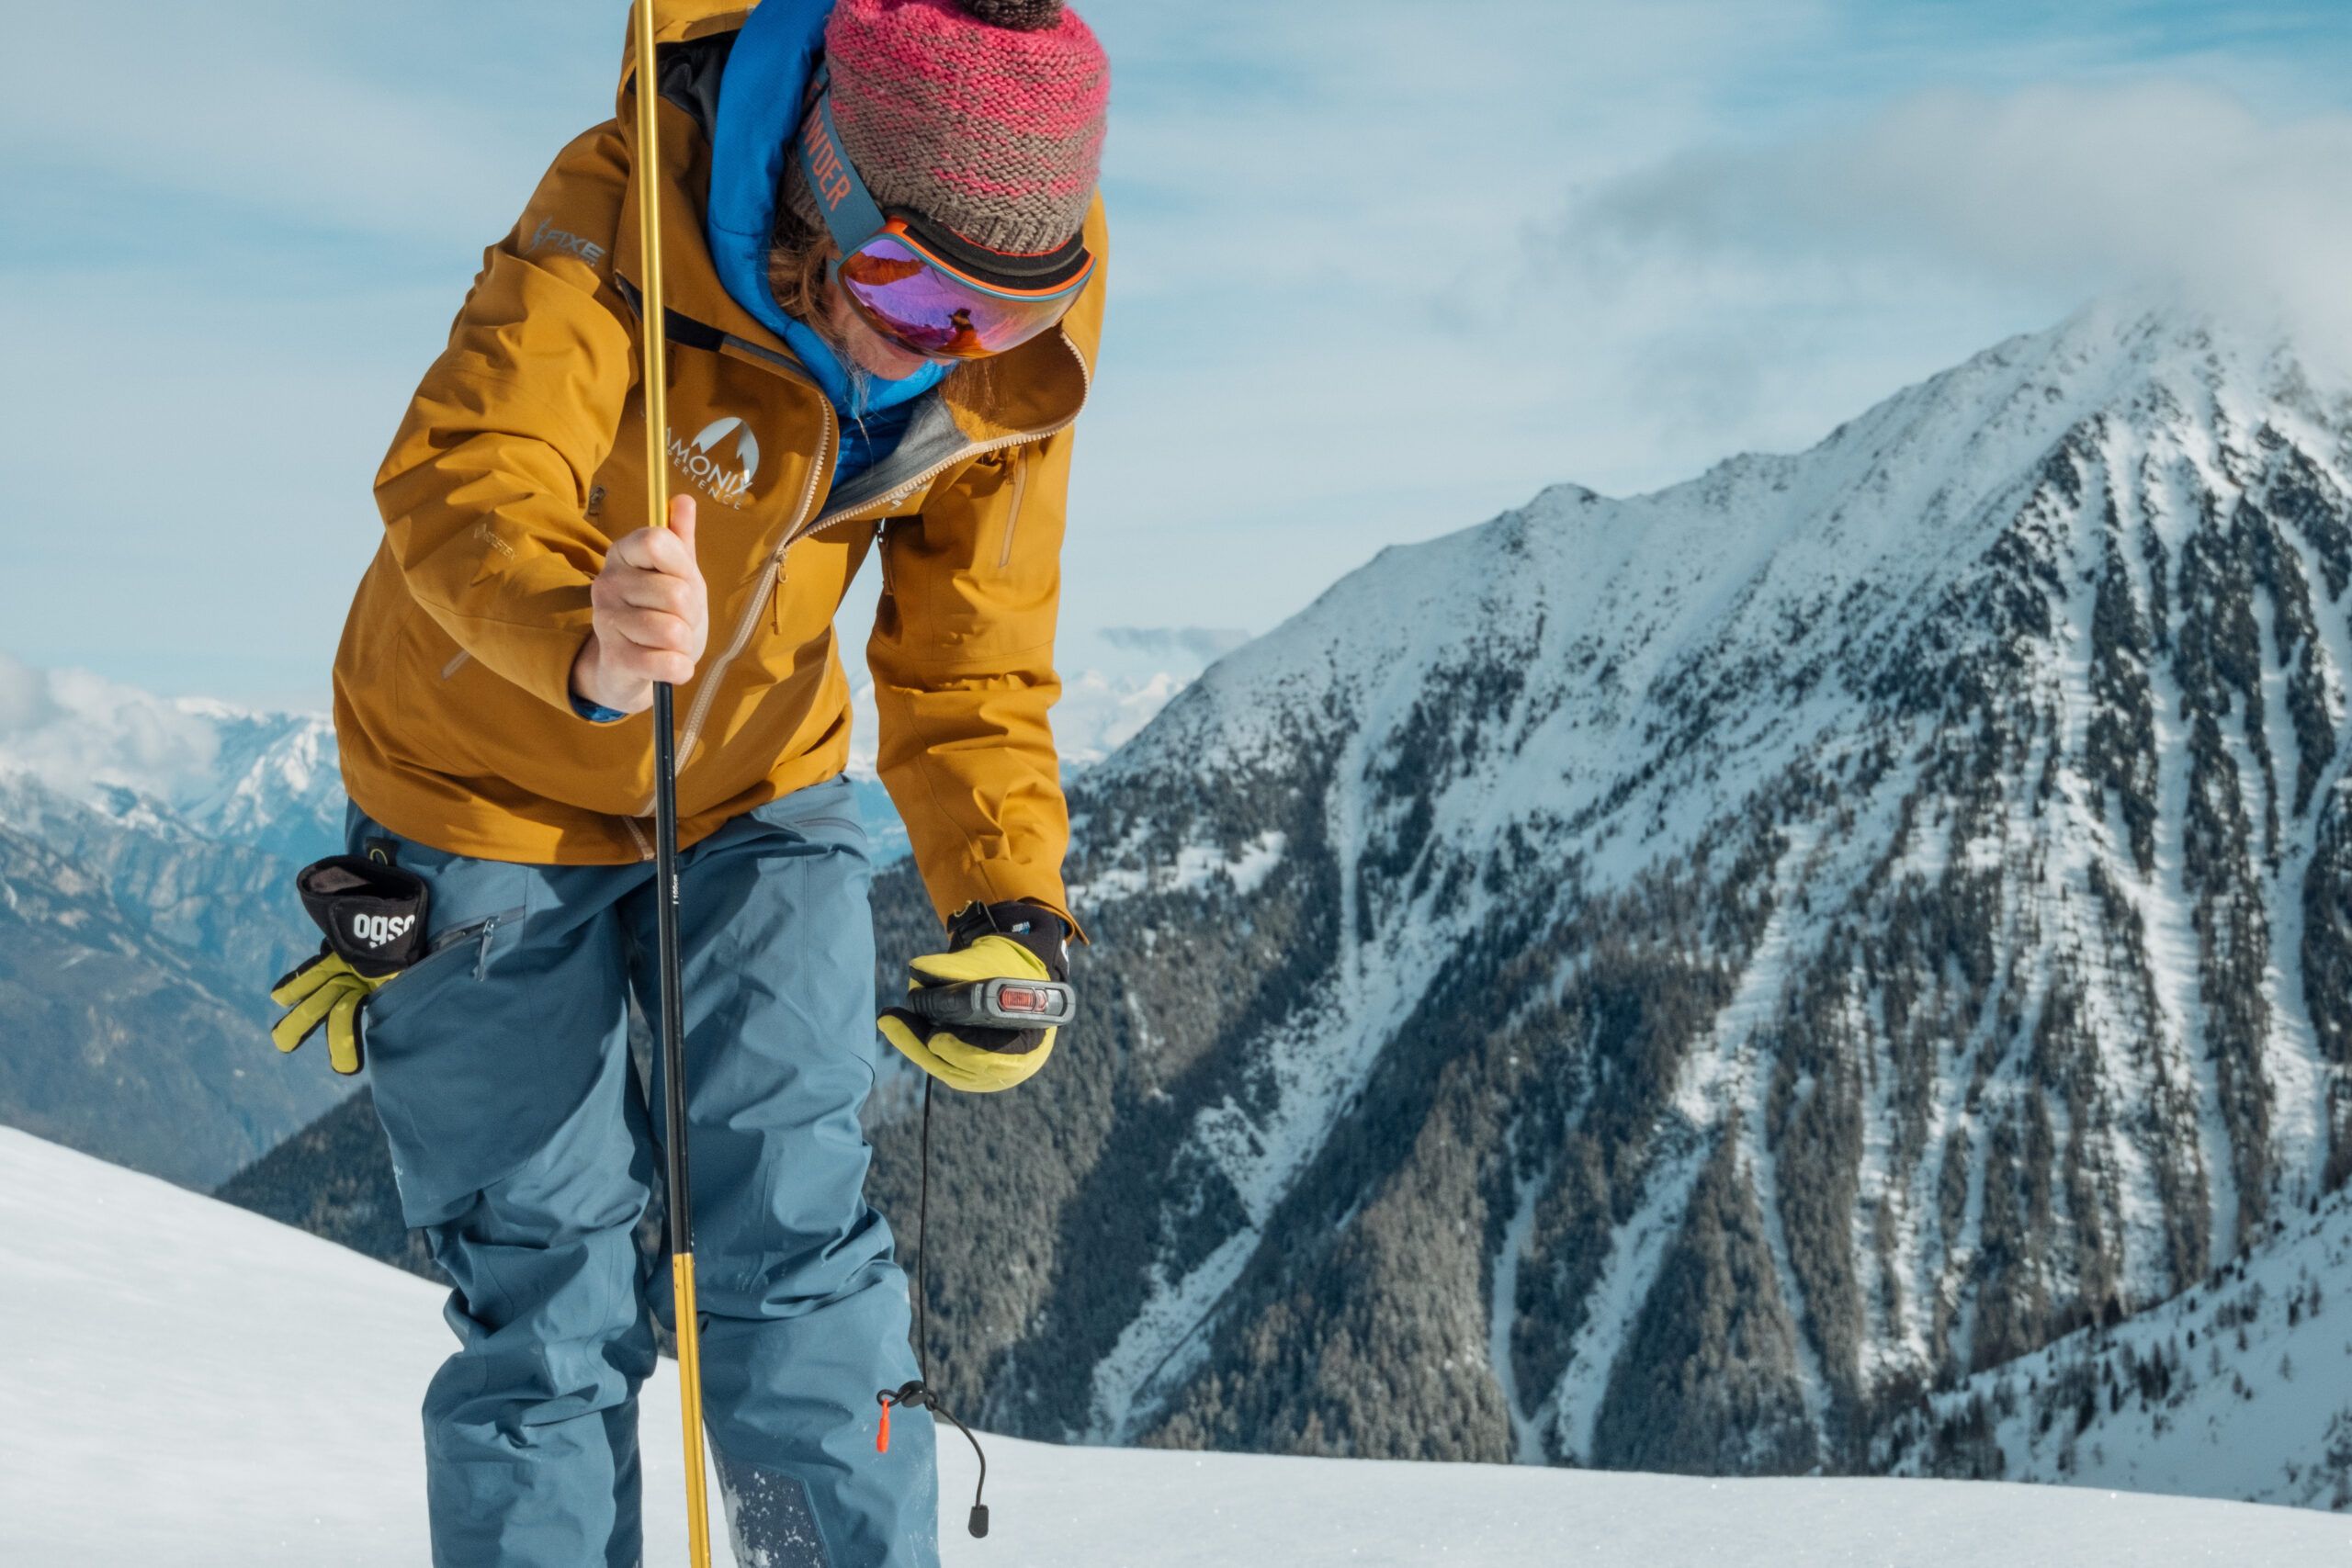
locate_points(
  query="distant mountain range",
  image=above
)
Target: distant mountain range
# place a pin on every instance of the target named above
(147, 852)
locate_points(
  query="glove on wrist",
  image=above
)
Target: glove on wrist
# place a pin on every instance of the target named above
(374, 918)
(1015, 940)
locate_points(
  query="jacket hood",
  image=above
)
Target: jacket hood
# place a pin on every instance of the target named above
(760, 96)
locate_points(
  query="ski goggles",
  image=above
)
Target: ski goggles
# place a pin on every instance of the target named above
(921, 286)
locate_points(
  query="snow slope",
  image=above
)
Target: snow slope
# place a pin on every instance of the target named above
(189, 1384)
(2236, 1389)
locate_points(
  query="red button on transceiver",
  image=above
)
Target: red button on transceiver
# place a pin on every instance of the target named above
(1023, 998)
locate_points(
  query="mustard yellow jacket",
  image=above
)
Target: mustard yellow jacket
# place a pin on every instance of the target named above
(521, 459)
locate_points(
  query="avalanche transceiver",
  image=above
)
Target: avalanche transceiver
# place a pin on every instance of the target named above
(999, 1003)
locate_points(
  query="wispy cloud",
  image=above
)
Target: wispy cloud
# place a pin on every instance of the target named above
(72, 729)
(1199, 645)
(2152, 184)
(244, 115)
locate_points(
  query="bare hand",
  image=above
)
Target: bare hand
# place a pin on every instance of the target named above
(652, 616)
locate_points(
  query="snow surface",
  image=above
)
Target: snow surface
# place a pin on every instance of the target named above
(2257, 1407)
(190, 1385)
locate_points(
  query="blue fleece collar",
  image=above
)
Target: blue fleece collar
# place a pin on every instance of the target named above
(758, 119)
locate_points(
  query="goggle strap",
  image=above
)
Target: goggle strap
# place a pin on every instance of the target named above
(851, 215)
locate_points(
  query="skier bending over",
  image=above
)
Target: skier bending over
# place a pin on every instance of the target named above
(881, 246)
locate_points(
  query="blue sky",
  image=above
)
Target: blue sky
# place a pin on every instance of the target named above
(1380, 270)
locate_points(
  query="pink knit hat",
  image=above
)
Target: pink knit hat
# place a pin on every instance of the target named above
(986, 115)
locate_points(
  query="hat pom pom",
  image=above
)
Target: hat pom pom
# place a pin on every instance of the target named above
(1021, 15)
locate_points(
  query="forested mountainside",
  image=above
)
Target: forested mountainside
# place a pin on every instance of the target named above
(1663, 982)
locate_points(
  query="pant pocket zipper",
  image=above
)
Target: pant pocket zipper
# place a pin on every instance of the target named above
(478, 931)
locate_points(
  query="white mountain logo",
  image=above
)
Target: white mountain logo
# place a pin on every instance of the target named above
(701, 461)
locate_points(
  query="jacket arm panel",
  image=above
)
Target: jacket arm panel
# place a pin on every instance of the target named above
(963, 661)
(484, 492)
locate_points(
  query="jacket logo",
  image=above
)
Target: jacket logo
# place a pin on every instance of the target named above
(565, 240)
(701, 460)
(376, 930)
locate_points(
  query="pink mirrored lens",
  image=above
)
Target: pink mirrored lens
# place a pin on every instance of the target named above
(906, 297)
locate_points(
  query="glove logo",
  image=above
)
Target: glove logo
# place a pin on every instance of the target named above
(377, 931)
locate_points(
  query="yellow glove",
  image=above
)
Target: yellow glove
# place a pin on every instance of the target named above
(374, 917)
(1010, 940)
(325, 990)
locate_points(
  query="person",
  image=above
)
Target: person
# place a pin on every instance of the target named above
(491, 699)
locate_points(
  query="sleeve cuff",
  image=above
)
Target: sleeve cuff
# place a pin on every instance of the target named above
(594, 714)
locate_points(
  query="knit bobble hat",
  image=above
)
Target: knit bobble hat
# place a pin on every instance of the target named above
(985, 116)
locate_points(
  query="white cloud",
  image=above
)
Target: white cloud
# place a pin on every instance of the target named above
(24, 703)
(2150, 185)
(1202, 646)
(72, 729)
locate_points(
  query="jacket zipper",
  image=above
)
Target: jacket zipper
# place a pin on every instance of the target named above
(749, 619)
(802, 528)
(976, 450)
(1013, 515)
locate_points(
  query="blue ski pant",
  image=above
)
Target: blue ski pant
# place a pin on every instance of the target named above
(525, 1149)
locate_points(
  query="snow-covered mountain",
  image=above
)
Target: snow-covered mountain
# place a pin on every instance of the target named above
(147, 848)
(264, 780)
(1660, 982)
(212, 1390)
(2235, 1389)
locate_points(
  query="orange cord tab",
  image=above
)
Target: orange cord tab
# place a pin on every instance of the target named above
(882, 1438)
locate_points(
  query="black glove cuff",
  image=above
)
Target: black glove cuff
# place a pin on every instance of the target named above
(1034, 926)
(373, 914)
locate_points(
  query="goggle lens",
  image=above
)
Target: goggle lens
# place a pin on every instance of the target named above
(910, 298)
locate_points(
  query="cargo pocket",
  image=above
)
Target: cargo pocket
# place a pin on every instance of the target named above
(462, 950)
(430, 1030)
(428, 1035)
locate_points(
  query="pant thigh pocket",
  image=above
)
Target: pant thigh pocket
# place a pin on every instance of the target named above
(449, 1043)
